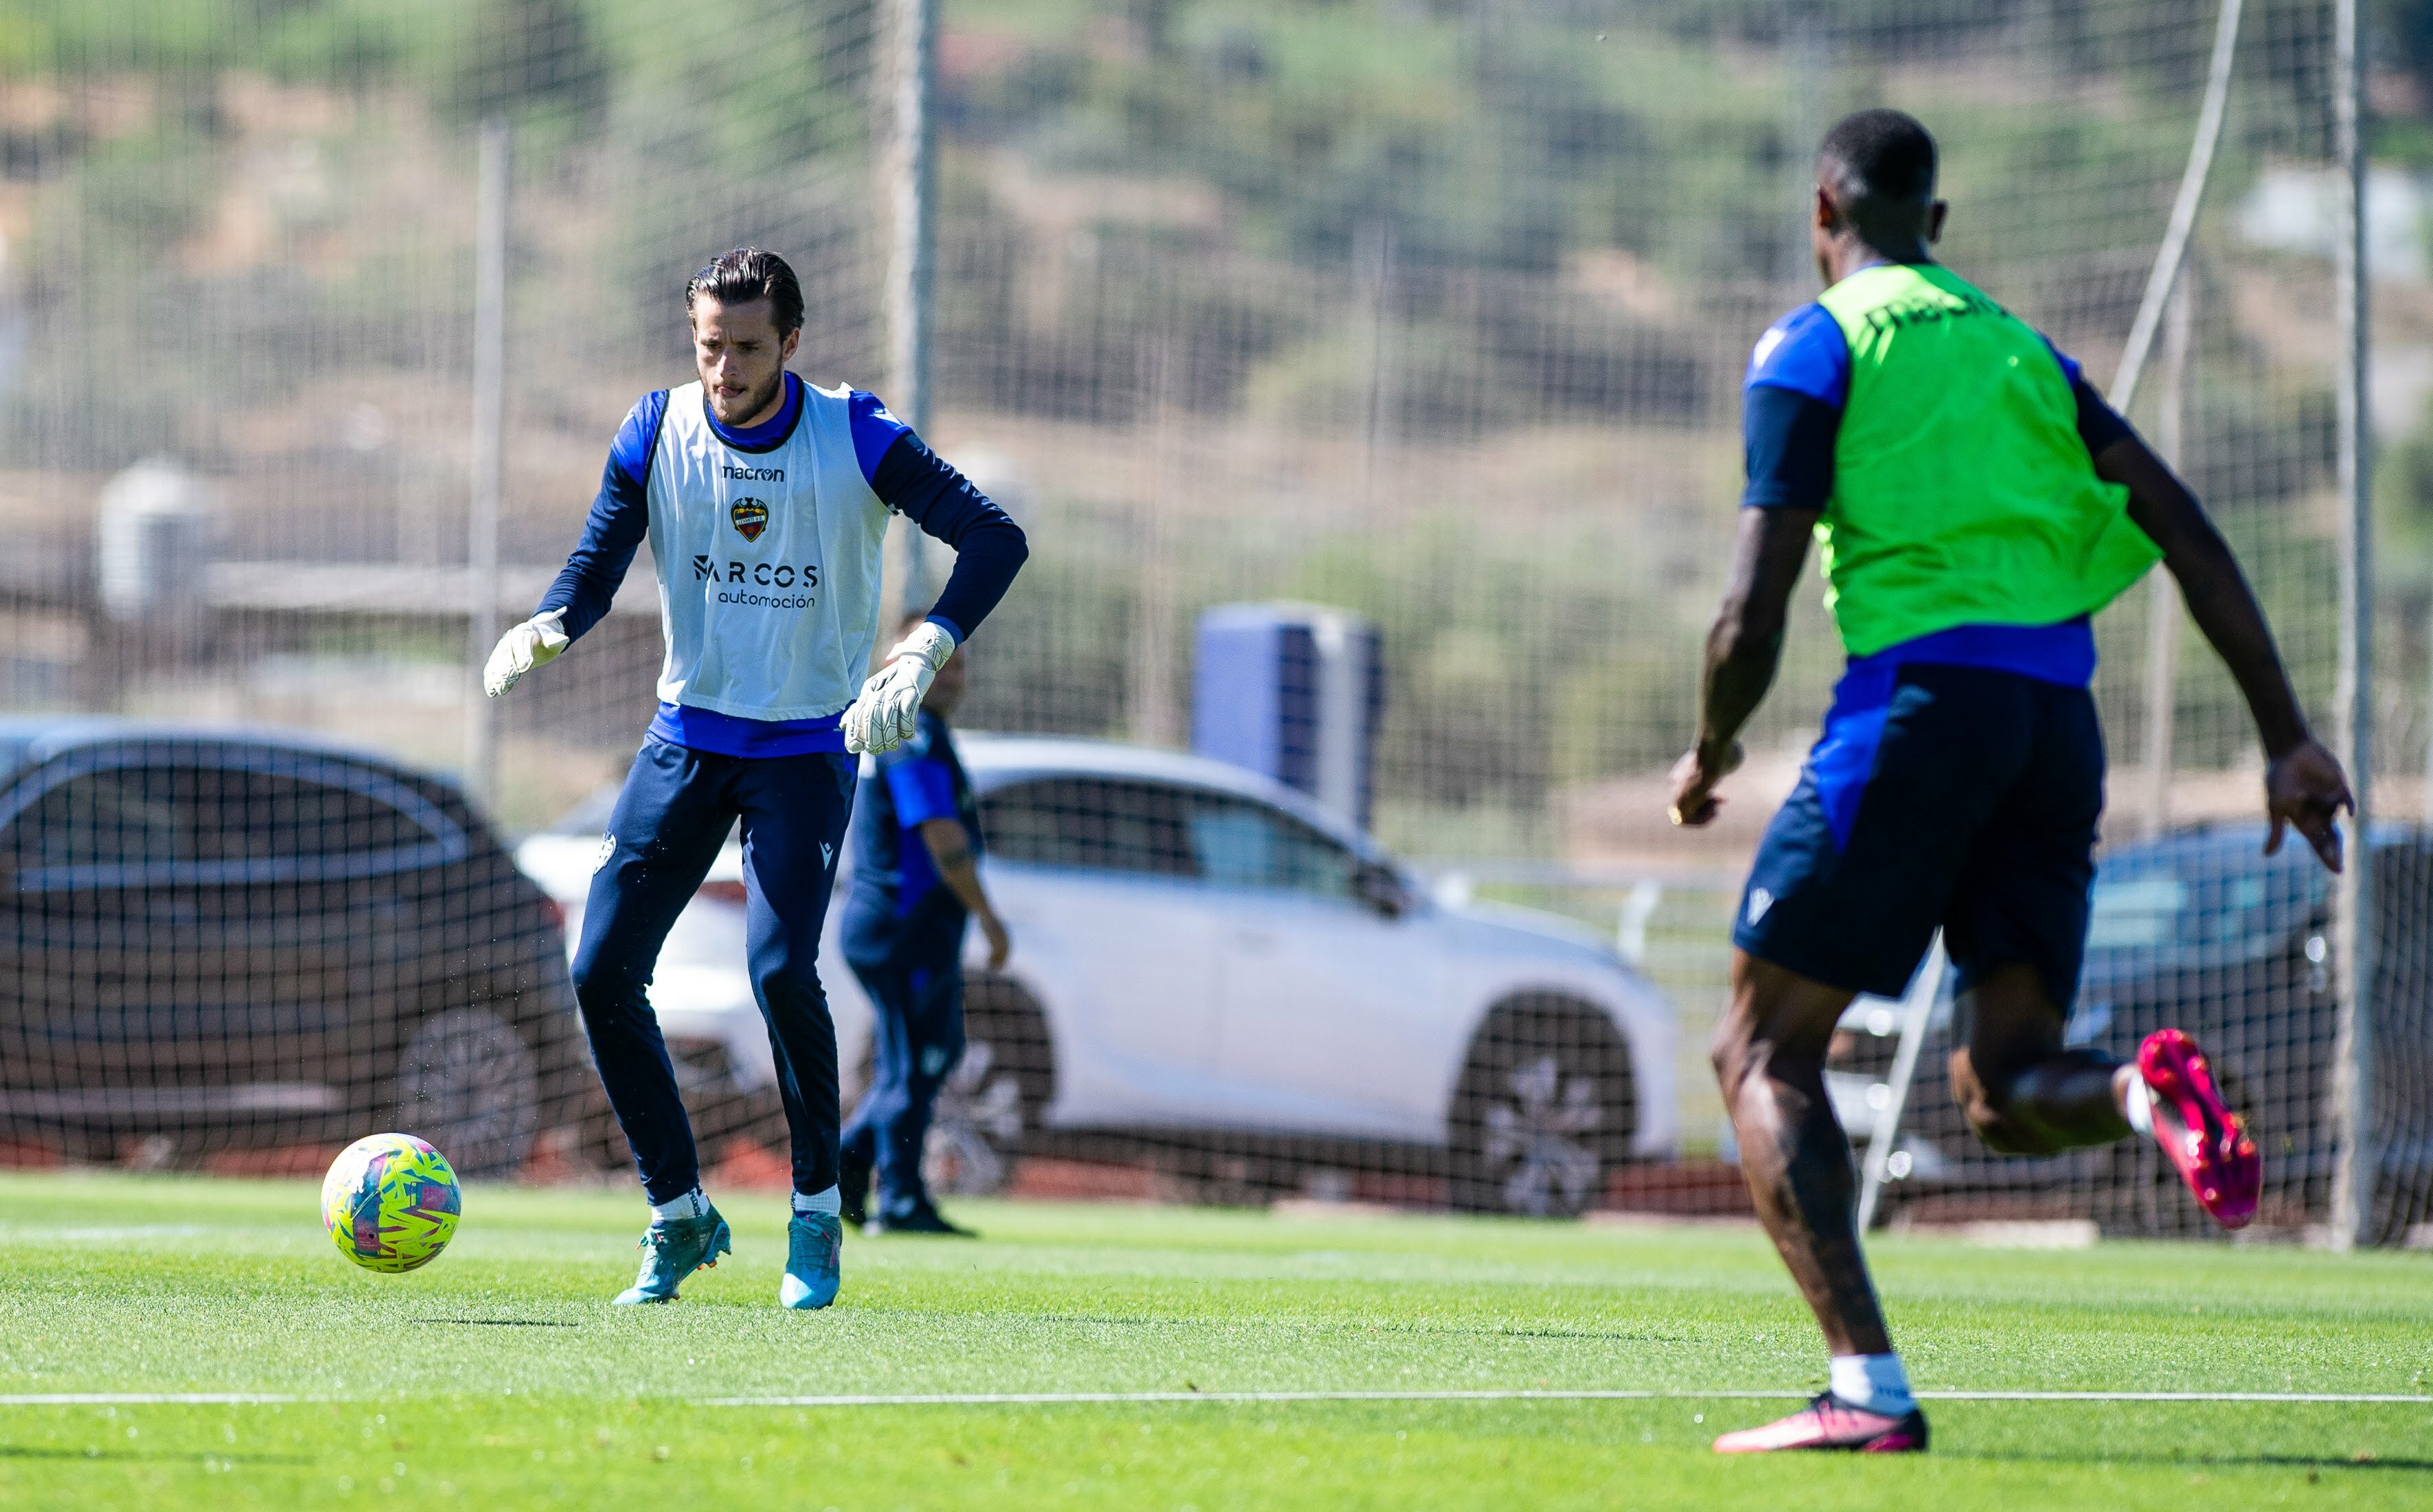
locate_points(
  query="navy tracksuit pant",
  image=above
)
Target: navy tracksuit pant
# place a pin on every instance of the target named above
(669, 822)
(916, 1037)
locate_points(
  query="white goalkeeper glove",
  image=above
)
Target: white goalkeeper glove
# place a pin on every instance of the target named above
(523, 648)
(889, 710)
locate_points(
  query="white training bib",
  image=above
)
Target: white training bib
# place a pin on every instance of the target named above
(768, 561)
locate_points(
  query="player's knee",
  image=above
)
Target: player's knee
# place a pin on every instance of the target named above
(605, 988)
(1726, 1051)
(1746, 1046)
(1734, 1053)
(792, 986)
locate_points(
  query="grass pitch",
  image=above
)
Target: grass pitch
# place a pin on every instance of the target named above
(499, 1377)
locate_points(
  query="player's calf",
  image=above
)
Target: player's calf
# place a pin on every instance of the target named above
(2063, 1101)
(2023, 1090)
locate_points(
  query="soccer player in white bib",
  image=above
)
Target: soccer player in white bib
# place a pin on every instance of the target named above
(764, 500)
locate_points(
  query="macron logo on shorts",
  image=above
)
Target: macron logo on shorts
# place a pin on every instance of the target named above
(1759, 900)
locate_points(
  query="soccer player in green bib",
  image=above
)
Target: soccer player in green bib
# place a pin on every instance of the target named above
(1976, 503)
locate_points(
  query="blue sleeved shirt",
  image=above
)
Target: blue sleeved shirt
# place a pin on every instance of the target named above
(909, 478)
(919, 788)
(1792, 398)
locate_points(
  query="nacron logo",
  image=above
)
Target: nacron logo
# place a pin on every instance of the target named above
(750, 517)
(729, 469)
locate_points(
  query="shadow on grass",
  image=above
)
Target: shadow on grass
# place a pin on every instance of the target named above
(498, 1323)
(2293, 1462)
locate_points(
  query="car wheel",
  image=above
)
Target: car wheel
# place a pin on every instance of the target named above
(1545, 1110)
(995, 1093)
(467, 1083)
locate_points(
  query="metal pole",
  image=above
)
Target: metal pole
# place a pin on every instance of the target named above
(1154, 706)
(911, 168)
(1917, 1011)
(2162, 593)
(2353, 1179)
(490, 448)
(1374, 252)
(2165, 271)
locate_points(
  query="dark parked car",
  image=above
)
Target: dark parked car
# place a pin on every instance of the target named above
(2202, 931)
(214, 940)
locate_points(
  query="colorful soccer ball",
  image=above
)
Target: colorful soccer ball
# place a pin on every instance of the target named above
(390, 1202)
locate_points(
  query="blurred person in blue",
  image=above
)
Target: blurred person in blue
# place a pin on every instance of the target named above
(916, 886)
(765, 501)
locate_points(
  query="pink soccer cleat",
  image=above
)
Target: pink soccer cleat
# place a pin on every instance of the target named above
(1828, 1422)
(2203, 1140)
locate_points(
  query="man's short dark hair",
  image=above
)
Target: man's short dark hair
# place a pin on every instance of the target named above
(747, 274)
(1883, 156)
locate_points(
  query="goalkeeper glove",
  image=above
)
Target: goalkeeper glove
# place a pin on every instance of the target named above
(523, 648)
(889, 710)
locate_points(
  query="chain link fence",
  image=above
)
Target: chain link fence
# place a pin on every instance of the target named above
(1429, 315)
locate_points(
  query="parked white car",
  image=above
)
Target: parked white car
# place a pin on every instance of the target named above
(1202, 954)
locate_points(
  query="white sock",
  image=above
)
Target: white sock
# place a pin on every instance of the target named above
(691, 1205)
(830, 1202)
(1874, 1382)
(2138, 1107)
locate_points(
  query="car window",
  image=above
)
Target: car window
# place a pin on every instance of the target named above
(252, 816)
(2186, 906)
(1092, 823)
(99, 818)
(201, 815)
(1241, 843)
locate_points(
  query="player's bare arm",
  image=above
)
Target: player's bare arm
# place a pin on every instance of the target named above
(1743, 649)
(950, 851)
(2303, 786)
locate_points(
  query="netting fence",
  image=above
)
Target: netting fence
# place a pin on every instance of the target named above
(1419, 325)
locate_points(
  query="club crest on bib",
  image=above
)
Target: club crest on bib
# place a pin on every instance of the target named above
(751, 516)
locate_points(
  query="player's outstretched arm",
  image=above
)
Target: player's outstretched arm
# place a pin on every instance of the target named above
(2304, 785)
(1743, 649)
(620, 517)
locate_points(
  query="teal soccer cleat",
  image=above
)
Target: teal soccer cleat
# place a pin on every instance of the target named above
(815, 1261)
(673, 1248)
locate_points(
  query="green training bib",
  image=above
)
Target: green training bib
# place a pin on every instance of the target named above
(1962, 493)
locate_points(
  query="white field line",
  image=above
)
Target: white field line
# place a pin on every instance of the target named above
(145, 1398)
(1076, 1399)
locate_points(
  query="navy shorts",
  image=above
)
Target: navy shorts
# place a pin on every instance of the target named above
(1951, 797)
